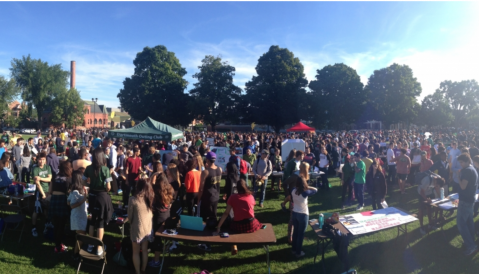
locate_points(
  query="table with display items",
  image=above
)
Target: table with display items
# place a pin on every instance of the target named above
(19, 198)
(263, 237)
(323, 240)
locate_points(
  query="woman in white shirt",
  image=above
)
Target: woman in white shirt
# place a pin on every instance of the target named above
(324, 160)
(300, 215)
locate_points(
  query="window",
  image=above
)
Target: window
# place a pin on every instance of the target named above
(95, 122)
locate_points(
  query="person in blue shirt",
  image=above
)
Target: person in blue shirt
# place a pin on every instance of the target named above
(2, 147)
(96, 142)
(6, 176)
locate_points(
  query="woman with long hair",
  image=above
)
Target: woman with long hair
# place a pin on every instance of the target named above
(200, 166)
(99, 178)
(290, 157)
(140, 216)
(161, 212)
(299, 196)
(324, 160)
(192, 184)
(232, 179)
(58, 203)
(173, 177)
(76, 200)
(24, 165)
(376, 182)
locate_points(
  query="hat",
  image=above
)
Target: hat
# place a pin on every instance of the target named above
(265, 151)
(211, 155)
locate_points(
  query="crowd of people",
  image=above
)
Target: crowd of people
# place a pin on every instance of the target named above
(76, 171)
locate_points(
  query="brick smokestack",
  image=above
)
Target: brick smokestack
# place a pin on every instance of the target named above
(72, 74)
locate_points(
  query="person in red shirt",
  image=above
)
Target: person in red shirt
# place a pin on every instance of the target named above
(133, 170)
(242, 205)
(192, 184)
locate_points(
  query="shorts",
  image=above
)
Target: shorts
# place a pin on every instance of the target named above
(41, 204)
(101, 208)
(402, 177)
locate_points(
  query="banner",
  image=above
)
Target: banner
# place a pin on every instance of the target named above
(222, 156)
(371, 221)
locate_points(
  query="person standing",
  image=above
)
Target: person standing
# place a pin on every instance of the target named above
(465, 209)
(262, 169)
(192, 184)
(377, 186)
(347, 178)
(403, 167)
(42, 176)
(359, 180)
(276, 161)
(133, 170)
(391, 164)
(24, 166)
(324, 161)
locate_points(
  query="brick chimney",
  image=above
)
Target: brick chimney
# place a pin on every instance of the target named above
(72, 74)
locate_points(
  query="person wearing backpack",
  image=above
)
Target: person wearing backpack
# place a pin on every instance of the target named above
(262, 169)
(277, 162)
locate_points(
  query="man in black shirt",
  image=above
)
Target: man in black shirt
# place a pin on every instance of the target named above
(467, 196)
(473, 151)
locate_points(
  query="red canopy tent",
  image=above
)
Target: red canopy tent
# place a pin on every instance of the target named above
(300, 127)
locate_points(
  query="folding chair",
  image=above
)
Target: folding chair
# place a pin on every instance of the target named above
(89, 256)
(12, 216)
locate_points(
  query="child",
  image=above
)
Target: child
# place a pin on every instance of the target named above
(438, 183)
(76, 200)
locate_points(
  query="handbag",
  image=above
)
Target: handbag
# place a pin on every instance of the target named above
(119, 259)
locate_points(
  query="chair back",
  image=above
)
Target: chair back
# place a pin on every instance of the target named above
(6, 210)
(85, 239)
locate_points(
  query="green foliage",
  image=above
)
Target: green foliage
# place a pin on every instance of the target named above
(215, 95)
(462, 98)
(276, 96)
(435, 111)
(8, 92)
(338, 96)
(393, 93)
(12, 120)
(156, 89)
(39, 82)
(68, 108)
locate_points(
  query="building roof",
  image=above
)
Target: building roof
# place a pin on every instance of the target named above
(15, 105)
(95, 108)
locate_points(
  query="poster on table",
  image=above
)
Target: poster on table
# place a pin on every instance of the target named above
(371, 221)
(222, 156)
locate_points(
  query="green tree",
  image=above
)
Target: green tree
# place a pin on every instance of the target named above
(12, 120)
(68, 108)
(156, 89)
(462, 97)
(435, 111)
(38, 81)
(276, 95)
(393, 92)
(8, 92)
(215, 94)
(338, 96)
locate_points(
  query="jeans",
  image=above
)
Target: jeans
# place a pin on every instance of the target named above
(324, 178)
(465, 223)
(300, 221)
(391, 173)
(375, 200)
(24, 175)
(347, 187)
(263, 190)
(191, 200)
(359, 193)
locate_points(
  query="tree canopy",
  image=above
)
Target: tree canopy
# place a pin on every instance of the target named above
(156, 88)
(276, 96)
(68, 108)
(435, 111)
(215, 94)
(39, 82)
(338, 96)
(393, 93)
(8, 92)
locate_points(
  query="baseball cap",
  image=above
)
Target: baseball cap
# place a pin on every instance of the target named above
(210, 155)
(265, 151)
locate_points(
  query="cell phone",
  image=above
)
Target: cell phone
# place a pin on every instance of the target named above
(263, 227)
(224, 235)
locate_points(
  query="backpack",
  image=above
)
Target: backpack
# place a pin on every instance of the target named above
(421, 175)
(243, 168)
(340, 243)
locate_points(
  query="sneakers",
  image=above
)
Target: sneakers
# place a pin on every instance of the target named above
(34, 232)
(470, 252)
(63, 249)
(154, 263)
(423, 232)
(204, 247)
(120, 192)
(47, 226)
(174, 246)
(100, 252)
(359, 207)
(300, 254)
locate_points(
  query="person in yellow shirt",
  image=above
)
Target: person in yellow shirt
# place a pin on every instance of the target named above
(62, 136)
(366, 159)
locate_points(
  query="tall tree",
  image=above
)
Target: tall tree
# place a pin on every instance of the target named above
(435, 111)
(462, 97)
(338, 96)
(156, 89)
(215, 94)
(38, 81)
(393, 93)
(276, 95)
(68, 108)
(8, 93)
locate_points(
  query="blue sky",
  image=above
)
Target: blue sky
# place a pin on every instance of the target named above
(438, 40)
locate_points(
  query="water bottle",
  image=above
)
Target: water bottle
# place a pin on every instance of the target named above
(442, 193)
(321, 220)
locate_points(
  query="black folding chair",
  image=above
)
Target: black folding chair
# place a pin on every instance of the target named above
(84, 239)
(13, 217)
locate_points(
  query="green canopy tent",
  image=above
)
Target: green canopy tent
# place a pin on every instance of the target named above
(148, 130)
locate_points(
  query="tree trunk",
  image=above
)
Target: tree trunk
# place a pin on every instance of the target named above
(213, 126)
(39, 114)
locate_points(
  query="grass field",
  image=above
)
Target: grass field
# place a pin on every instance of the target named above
(381, 253)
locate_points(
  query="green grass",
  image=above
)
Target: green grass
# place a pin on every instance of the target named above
(438, 252)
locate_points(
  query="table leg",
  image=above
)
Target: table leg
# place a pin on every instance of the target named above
(317, 250)
(267, 258)
(165, 246)
(322, 253)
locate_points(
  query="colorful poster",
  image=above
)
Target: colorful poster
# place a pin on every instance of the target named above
(371, 221)
(222, 156)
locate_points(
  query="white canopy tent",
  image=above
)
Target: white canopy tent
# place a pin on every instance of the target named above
(290, 144)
